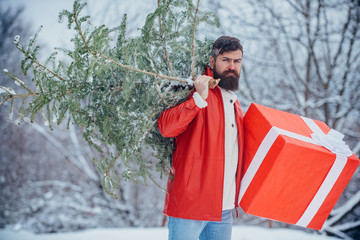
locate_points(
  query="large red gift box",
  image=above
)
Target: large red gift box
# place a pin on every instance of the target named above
(294, 168)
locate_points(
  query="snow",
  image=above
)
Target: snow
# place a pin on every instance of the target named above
(7, 90)
(239, 233)
(19, 82)
(16, 39)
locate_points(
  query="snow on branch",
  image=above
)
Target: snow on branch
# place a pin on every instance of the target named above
(339, 213)
(348, 226)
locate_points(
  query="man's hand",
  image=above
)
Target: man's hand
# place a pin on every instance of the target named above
(201, 84)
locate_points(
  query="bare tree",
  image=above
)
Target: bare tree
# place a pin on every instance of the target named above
(11, 24)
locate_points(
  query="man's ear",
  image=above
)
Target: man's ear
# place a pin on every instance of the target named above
(212, 62)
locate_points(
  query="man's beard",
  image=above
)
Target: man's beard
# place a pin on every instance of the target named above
(227, 82)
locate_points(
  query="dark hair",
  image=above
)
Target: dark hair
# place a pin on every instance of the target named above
(225, 44)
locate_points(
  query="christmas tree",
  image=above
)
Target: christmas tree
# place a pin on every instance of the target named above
(114, 86)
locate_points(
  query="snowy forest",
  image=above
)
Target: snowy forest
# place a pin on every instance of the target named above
(300, 56)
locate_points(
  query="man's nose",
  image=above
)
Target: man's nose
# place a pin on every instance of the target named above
(231, 66)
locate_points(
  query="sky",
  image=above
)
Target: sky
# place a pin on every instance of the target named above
(45, 13)
(54, 34)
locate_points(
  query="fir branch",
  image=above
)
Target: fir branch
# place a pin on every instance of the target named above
(193, 41)
(11, 109)
(140, 71)
(18, 81)
(22, 106)
(38, 107)
(159, 93)
(95, 53)
(150, 175)
(166, 51)
(33, 59)
(9, 91)
(32, 94)
(22, 95)
(157, 34)
(7, 99)
(48, 115)
(62, 115)
(106, 180)
(25, 114)
(168, 59)
(48, 70)
(107, 173)
(149, 129)
(79, 29)
(114, 91)
(139, 142)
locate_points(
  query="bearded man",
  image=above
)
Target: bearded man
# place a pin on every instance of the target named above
(204, 180)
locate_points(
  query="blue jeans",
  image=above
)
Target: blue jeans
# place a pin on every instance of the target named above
(185, 229)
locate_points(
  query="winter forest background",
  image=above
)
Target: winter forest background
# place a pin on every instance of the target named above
(300, 56)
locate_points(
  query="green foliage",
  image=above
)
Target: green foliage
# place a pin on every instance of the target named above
(115, 87)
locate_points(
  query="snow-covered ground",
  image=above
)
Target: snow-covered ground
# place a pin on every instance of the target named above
(239, 233)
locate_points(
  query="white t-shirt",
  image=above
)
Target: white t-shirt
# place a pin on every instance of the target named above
(231, 149)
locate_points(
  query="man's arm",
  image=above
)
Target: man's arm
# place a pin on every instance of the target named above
(174, 121)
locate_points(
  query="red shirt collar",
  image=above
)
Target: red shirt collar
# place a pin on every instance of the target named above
(208, 72)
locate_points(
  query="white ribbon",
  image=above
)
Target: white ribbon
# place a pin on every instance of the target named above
(332, 141)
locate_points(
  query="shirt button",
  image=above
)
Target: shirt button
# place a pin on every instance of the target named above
(231, 101)
(232, 125)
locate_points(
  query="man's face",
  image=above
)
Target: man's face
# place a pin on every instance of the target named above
(227, 67)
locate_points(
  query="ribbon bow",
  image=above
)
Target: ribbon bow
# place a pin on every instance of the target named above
(333, 141)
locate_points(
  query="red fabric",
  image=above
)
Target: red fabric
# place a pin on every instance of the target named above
(195, 185)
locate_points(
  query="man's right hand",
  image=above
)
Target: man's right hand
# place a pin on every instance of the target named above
(201, 84)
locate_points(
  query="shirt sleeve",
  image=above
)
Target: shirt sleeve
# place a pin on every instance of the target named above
(199, 101)
(174, 121)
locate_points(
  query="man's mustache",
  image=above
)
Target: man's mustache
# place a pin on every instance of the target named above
(230, 71)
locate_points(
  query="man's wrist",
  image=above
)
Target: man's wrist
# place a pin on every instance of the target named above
(199, 101)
